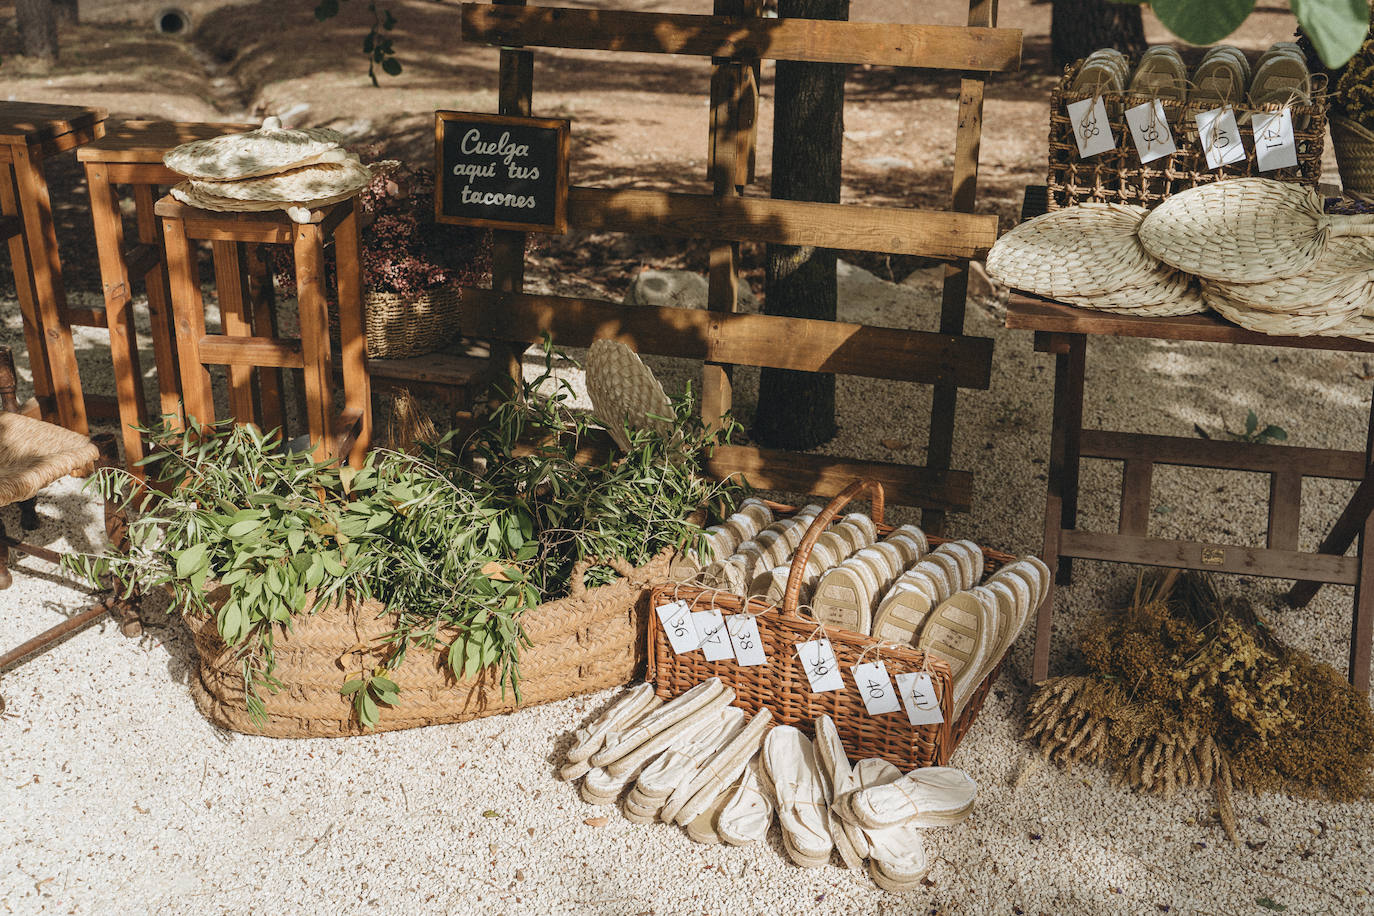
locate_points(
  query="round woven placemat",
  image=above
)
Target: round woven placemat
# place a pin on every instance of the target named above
(265, 151)
(624, 391)
(314, 182)
(1088, 250)
(1278, 324)
(1244, 230)
(1183, 300)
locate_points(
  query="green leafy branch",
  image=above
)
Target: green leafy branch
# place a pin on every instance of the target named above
(377, 45)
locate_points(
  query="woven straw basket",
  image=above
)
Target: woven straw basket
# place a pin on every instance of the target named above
(591, 640)
(781, 684)
(401, 325)
(1354, 147)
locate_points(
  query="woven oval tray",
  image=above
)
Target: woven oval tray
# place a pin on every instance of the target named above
(265, 151)
(1248, 230)
(1089, 250)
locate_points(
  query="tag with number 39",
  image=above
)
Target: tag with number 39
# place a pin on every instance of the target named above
(821, 667)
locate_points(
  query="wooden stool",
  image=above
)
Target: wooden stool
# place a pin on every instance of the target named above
(131, 153)
(31, 132)
(243, 348)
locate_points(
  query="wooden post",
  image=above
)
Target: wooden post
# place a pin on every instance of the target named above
(189, 318)
(727, 80)
(310, 297)
(231, 284)
(159, 307)
(967, 140)
(28, 301)
(262, 300)
(352, 335)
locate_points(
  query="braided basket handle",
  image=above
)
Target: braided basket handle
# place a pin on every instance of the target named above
(578, 583)
(818, 526)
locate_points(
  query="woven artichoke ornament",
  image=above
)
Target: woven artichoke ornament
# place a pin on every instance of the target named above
(1246, 230)
(625, 393)
(1090, 256)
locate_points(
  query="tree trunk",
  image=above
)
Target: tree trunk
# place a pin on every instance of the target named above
(37, 29)
(796, 410)
(1080, 27)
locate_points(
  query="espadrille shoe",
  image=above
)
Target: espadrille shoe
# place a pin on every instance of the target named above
(742, 527)
(864, 523)
(844, 596)
(719, 771)
(703, 828)
(914, 535)
(925, 797)
(1103, 71)
(633, 704)
(851, 537)
(1161, 74)
(1023, 593)
(681, 762)
(673, 735)
(757, 510)
(955, 632)
(791, 765)
(945, 559)
(748, 813)
(898, 854)
(1220, 79)
(622, 741)
(1046, 577)
(901, 613)
(1009, 607)
(1032, 576)
(834, 763)
(601, 788)
(906, 549)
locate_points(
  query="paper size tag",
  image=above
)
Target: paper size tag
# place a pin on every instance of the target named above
(818, 661)
(1274, 146)
(1150, 130)
(1090, 127)
(918, 696)
(714, 641)
(1219, 137)
(876, 688)
(744, 635)
(676, 617)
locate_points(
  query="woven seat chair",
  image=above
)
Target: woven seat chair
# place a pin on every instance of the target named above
(34, 454)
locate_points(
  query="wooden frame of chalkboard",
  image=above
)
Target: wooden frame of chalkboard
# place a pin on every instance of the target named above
(476, 181)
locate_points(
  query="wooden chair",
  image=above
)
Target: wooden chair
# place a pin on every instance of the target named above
(34, 454)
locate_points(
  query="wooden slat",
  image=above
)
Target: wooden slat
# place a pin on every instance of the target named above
(231, 285)
(216, 350)
(142, 258)
(1134, 518)
(87, 317)
(1285, 509)
(928, 233)
(823, 475)
(442, 369)
(348, 427)
(146, 141)
(1031, 314)
(1223, 455)
(1350, 523)
(1245, 561)
(35, 122)
(771, 341)
(818, 41)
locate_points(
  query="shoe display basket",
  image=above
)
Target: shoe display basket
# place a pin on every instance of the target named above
(1118, 176)
(590, 640)
(781, 684)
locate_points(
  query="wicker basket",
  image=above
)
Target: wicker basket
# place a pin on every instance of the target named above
(1354, 147)
(1118, 176)
(591, 640)
(781, 684)
(400, 325)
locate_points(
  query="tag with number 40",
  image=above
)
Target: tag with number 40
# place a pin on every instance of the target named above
(876, 688)
(821, 667)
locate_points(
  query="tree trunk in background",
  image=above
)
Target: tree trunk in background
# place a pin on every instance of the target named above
(37, 29)
(65, 11)
(1080, 27)
(796, 410)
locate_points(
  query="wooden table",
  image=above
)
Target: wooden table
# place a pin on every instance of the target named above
(245, 344)
(130, 154)
(31, 132)
(1064, 331)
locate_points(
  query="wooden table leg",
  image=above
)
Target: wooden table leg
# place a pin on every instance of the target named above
(1062, 482)
(352, 333)
(263, 305)
(314, 314)
(28, 300)
(159, 307)
(188, 311)
(115, 281)
(1362, 620)
(231, 285)
(47, 281)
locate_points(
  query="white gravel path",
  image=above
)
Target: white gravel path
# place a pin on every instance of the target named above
(117, 797)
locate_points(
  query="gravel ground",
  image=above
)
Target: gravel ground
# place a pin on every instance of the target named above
(115, 795)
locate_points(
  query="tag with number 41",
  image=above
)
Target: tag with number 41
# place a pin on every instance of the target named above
(918, 696)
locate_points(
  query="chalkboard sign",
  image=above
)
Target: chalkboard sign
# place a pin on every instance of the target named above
(501, 172)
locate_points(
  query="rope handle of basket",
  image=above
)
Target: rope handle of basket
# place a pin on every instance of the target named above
(818, 526)
(577, 585)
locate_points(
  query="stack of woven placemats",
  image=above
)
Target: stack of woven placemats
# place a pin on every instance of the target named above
(272, 168)
(1259, 252)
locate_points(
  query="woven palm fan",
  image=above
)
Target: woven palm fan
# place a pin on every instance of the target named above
(312, 182)
(1361, 327)
(1184, 297)
(1245, 230)
(1279, 324)
(624, 392)
(266, 151)
(1342, 275)
(1082, 251)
